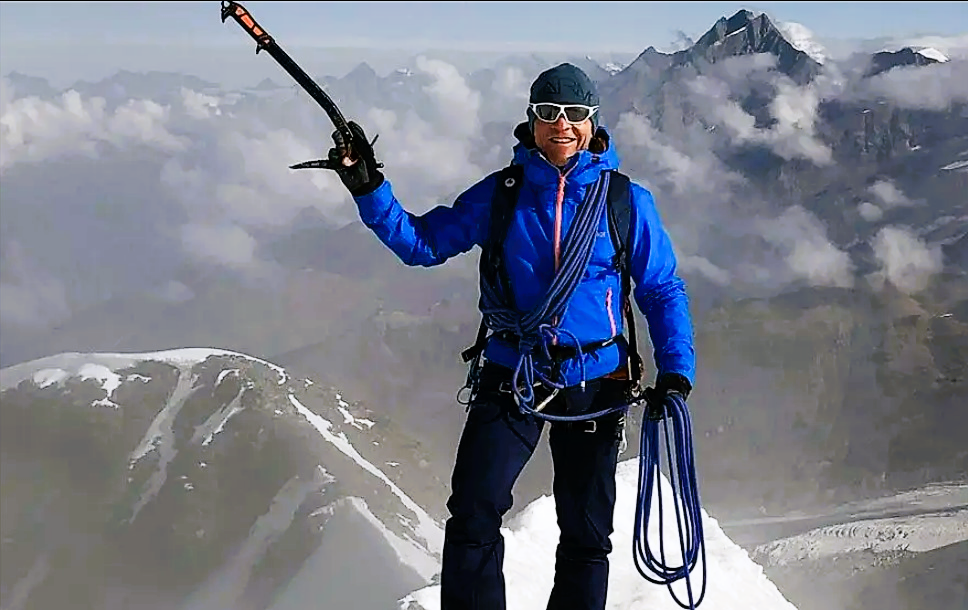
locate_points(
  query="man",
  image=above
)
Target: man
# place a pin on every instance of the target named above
(563, 151)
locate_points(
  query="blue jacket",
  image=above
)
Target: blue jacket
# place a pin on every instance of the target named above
(547, 203)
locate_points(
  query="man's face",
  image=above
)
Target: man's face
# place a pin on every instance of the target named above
(560, 140)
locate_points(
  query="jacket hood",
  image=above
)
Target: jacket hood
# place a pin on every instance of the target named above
(584, 166)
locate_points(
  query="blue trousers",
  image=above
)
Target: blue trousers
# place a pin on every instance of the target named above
(495, 445)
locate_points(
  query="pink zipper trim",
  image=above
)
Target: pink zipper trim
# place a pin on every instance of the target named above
(608, 308)
(559, 204)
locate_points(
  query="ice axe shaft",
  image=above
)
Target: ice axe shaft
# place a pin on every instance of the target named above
(265, 42)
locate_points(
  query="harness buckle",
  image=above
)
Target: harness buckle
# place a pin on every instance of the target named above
(544, 403)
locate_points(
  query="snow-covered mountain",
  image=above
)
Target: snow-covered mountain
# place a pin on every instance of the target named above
(205, 479)
(200, 479)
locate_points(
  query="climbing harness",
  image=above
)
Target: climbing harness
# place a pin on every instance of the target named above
(667, 415)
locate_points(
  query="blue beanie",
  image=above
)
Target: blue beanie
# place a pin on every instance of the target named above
(563, 84)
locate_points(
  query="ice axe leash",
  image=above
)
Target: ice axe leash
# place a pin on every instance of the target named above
(265, 42)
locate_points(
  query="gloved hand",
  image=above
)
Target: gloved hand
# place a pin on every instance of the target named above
(665, 384)
(355, 162)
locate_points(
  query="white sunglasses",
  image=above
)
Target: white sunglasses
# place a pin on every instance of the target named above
(574, 113)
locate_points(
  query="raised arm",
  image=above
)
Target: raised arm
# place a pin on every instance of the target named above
(426, 240)
(434, 237)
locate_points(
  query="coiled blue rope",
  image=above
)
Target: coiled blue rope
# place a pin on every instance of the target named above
(677, 429)
(534, 328)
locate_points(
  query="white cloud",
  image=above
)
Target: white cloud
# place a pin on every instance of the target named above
(794, 108)
(808, 253)
(704, 267)
(687, 172)
(794, 135)
(906, 261)
(221, 182)
(889, 195)
(803, 39)
(932, 87)
(29, 296)
(175, 292)
(223, 244)
(457, 105)
(951, 46)
(870, 212)
(33, 130)
(200, 106)
(513, 84)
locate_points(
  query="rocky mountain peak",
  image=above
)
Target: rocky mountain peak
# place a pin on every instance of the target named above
(888, 60)
(748, 33)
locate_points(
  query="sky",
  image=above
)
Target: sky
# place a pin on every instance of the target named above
(64, 41)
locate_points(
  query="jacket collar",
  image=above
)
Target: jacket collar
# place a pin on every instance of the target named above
(583, 167)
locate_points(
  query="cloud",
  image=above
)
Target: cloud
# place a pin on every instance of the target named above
(906, 261)
(201, 177)
(667, 159)
(29, 296)
(212, 183)
(704, 267)
(225, 244)
(870, 212)
(840, 49)
(174, 291)
(810, 256)
(794, 134)
(931, 87)
(803, 39)
(794, 108)
(889, 195)
(954, 47)
(512, 83)
(34, 130)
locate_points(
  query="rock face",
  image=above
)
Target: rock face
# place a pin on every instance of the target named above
(883, 61)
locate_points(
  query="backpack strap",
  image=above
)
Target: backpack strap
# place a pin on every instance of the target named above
(620, 229)
(507, 184)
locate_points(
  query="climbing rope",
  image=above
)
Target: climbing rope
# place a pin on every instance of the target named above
(534, 328)
(672, 420)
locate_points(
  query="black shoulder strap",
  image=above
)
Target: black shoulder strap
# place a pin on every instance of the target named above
(503, 202)
(620, 227)
(506, 187)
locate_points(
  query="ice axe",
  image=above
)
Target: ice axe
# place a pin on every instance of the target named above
(267, 43)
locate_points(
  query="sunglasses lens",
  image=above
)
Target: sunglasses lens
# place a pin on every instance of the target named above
(576, 114)
(546, 112)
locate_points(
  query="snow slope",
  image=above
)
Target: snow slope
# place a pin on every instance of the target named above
(734, 581)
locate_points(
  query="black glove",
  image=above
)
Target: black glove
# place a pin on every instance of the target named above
(355, 162)
(665, 384)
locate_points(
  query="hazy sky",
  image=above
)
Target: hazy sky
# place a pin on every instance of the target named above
(67, 41)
